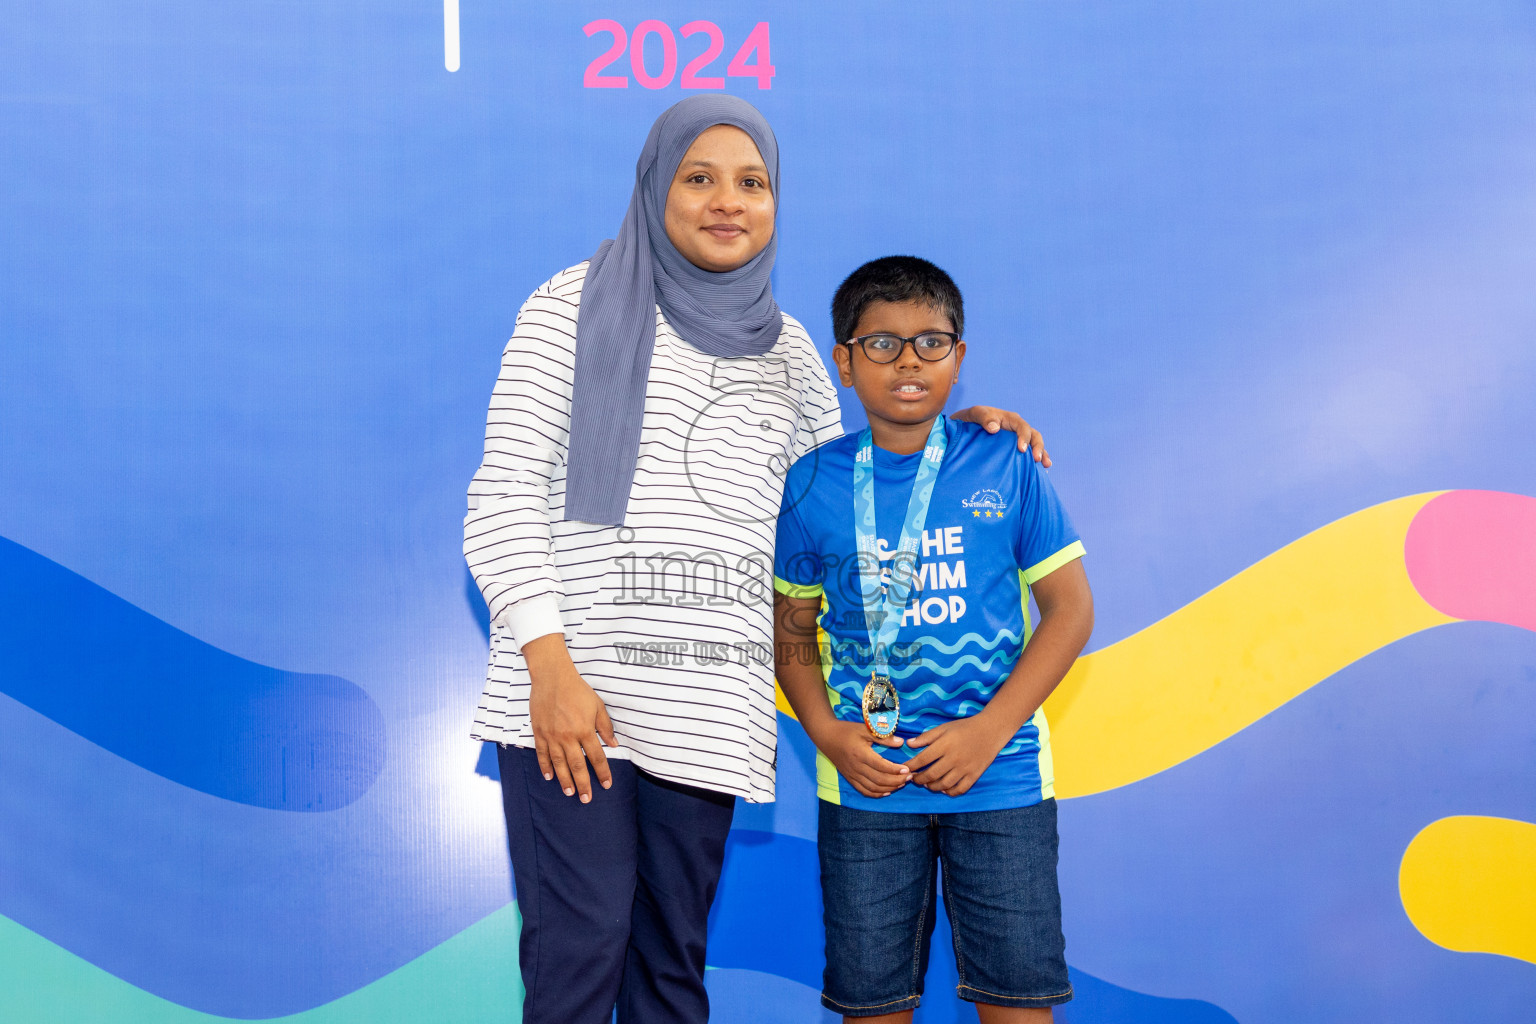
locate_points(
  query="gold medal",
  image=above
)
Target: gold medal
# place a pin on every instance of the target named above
(882, 707)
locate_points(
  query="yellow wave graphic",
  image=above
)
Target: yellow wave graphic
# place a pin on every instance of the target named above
(1214, 667)
(1468, 884)
(1238, 652)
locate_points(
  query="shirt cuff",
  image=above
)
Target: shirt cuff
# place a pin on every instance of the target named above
(789, 589)
(1045, 567)
(534, 617)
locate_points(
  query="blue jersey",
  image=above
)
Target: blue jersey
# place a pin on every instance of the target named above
(994, 527)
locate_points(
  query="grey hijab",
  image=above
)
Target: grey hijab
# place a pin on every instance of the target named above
(723, 314)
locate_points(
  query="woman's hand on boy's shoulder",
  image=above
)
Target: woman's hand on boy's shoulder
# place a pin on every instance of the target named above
(954, 755)
(850, 748)
(992, 420)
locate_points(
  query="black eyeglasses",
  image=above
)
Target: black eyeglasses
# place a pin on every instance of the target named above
(930, 346)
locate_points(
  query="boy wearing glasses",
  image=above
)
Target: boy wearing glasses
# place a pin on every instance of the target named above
(914, 546)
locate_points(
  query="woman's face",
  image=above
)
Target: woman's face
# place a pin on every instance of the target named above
(720, 204)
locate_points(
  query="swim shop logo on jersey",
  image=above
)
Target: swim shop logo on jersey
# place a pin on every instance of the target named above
(939, 569)
(986, 504)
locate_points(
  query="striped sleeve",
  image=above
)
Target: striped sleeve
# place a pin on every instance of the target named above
(798, 569)
(821, 415)
(507, 541)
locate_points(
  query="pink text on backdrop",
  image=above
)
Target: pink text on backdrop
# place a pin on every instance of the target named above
(752, 60)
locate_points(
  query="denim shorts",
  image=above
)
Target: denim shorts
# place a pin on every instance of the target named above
(879, 882)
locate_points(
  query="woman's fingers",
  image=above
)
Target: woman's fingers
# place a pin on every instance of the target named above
(575, 757)
(561, 769)
(565, 759)
(993, 419)
(1037, 444)
(594, 751)
(1029, 439)
(605, 724)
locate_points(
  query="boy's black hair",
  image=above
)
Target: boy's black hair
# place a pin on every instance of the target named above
(894, 279)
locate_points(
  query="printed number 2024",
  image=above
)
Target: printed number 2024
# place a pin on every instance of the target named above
(756, 45)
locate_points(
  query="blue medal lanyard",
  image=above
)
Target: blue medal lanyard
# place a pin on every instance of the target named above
(884, 605)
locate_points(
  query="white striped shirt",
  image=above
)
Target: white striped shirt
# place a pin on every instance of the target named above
(667, 617)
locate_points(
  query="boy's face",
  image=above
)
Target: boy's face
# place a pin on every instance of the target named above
(908, 390)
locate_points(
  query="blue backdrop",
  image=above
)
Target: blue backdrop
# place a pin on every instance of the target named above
(1251, 267)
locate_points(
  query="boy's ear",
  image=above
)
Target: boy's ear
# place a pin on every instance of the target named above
(842, 355)
(959, 356)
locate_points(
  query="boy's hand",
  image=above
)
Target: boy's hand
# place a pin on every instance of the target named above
(848, 746)
(567, 717)
(957, 753)
(992, 420)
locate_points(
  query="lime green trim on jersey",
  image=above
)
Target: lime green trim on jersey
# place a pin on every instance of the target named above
(828, 782)
(1047, 763)
(789, 589)
(1045, 567)
(827, 779)
(1029, 623)
(824, 649)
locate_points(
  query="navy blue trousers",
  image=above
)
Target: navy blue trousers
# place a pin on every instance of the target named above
(614, 894)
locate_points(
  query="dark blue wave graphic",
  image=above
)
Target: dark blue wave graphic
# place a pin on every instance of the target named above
(177, 706)
(1096, 1001)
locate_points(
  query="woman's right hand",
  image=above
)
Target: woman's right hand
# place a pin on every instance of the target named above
(848, 745)
(567, 717)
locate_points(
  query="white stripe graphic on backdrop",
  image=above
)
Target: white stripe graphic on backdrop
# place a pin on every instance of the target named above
(451, 34)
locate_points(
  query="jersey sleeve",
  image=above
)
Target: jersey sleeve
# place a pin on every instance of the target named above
(798, 569)
(1047, 539)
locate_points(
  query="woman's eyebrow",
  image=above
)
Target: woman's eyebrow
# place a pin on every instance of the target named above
(710, 165)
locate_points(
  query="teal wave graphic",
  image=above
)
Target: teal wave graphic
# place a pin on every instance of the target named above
(929, 643)
(933, 643)
(963, 662)
(966, 707)
(853, 692)
(987, 665)
(469, 979)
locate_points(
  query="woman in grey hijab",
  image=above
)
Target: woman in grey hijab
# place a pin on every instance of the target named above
(723, 313)
(619, 529)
